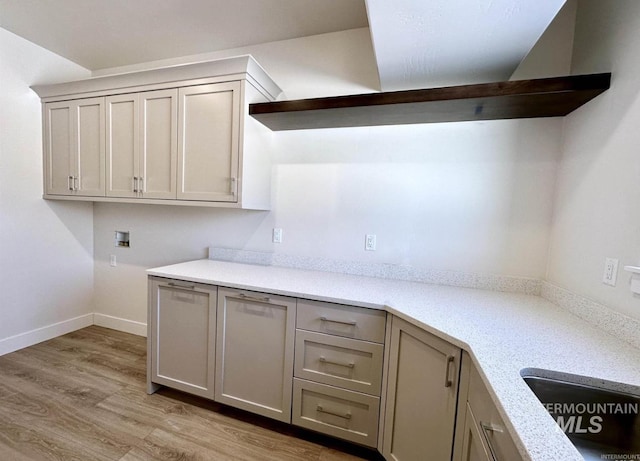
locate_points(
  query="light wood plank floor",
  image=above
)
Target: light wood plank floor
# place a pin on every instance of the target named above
(82, 397)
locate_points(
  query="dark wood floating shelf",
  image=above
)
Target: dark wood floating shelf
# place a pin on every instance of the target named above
(546, 97)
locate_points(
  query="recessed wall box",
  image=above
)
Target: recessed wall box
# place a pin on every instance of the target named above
(122, 239)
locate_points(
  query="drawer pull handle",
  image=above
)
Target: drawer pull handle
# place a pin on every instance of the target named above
(347, 415)
(324, 319)
(254, 298)
(448, 382)
(486, 428)
(331, 362)
(186, 287)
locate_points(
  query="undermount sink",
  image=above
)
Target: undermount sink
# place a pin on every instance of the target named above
(598, 422)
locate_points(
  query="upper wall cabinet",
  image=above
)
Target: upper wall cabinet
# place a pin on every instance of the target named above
(142, 144)
(180, 135)
(208, 142)
(74, 148)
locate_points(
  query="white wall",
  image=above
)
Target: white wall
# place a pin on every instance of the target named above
(551, 55)
(597, 210)
(472, 197)
(342, 62)
(46, 248)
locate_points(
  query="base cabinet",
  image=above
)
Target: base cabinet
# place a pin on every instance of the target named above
(182, 320)
(485, 437)
(353, 373)
(254, 366)
(473, 448)
(422, 393)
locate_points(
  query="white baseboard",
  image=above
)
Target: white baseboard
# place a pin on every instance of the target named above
(120, 324)
(29, 338)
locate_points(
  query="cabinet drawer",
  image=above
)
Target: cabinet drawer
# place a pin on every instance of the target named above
(341, 362)
(489, 422)
(336, 319)
(345, 414)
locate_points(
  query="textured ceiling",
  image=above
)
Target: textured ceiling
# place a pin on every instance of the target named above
(430, 43)
(417, 43)
(108, 33)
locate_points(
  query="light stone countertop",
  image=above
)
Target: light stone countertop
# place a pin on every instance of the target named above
(504, 333)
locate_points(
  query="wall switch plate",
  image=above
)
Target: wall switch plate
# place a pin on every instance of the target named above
(277, 235)
(610, 271)
(112, 260)
(370, 242)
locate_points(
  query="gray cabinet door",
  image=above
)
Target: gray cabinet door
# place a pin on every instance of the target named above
(158, 144)
(89, 137)
(208, 142)
(74, 151)
(142, 131)
(254, 363)
(422, 395)
(473, 449)
(487, 427)
(182, 335)
(58, 148)
(122, 145)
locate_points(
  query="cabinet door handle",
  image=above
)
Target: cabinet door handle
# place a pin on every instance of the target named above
(234, 186)
(319, 409)
(140, 185)
(448, 382)
(75, 183)
(486, 428)
(255, 298)
(178, 285)
(70, 182)
(135, 184)
(348, 365)
(324, 319)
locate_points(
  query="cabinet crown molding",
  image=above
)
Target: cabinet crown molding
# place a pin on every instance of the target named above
(235, 68)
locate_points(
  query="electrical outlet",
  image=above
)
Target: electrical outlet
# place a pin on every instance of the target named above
(370, 242)
(610, 271)
(112, 260)
(277, 235)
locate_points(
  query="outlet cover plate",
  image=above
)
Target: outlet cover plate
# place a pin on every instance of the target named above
(370, 242)
(610, 271)
(277, 235)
